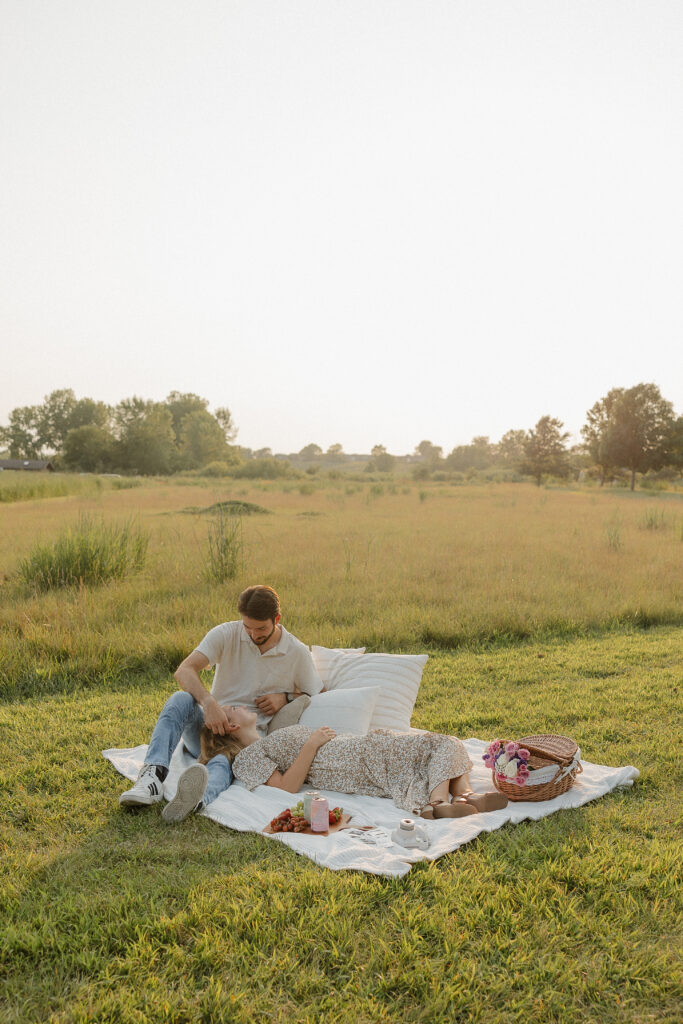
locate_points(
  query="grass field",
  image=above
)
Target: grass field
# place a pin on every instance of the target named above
(541, 610)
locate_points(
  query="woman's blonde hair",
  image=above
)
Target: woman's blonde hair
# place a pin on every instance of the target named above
(212, 744)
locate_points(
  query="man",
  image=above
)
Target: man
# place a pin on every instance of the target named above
(258, 664)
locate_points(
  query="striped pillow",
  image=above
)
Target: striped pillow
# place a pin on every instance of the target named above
(324, 656)
(397, 677)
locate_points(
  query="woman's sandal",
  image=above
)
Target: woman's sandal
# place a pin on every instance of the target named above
(483, 802)
(458, 808)
(441, 809)
(430, 811)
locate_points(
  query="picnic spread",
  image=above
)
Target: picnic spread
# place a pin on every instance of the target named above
(540, 774)
(372, 850)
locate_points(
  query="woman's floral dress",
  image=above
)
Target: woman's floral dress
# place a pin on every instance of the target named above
(405, 766)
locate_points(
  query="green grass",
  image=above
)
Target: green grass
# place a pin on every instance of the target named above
(225, 549)
(17, 485)
(493, 565)
(109, 915)
(91, 552)
(543, 610)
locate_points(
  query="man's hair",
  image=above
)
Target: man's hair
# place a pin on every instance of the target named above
(259, 603)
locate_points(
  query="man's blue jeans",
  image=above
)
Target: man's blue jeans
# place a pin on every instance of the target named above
(182, 716)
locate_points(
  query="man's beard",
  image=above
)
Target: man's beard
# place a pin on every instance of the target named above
(265, 639)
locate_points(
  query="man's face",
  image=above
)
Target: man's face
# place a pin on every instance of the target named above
(259, 631)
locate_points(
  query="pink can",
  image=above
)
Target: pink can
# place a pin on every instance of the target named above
(320, 815)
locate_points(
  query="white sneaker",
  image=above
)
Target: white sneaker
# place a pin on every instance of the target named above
(148, 789)
(191, 786)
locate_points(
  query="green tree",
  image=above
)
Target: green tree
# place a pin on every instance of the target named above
(310, 452)
(54, 419)
(335, 453)
(146, 442)
(181, 405)
(545, 450)
(87, 412)
(22, 434)
(477, 455)
(640, 430)
(595, 431)
(130, 411)
(61, 412)
(510, 448)
(428, 452)
(381, 460)
(224, 417)
(201, 440)
(90, 449)
(676, 443)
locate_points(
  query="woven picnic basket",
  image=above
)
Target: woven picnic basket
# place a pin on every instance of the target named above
(553, 765)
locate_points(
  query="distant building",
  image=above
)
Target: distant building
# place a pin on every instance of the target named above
(32, 465)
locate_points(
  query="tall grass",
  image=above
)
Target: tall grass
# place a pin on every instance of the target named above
(25, 486)
(653, 519)
(91, 552)
(469, 566)
(225, 547)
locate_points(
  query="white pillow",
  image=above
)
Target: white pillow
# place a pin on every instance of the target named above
(342, 710)
(323, 657)
(397, 678)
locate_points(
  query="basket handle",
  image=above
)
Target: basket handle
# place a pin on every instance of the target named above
(563, 762)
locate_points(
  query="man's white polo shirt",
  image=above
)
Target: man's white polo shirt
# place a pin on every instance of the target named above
(243, 673)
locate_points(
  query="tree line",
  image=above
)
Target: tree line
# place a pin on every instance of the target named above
(630, 430)
(135, 436)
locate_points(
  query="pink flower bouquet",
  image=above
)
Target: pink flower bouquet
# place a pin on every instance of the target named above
(509, 761)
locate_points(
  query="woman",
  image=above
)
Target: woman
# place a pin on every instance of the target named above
(421, 772)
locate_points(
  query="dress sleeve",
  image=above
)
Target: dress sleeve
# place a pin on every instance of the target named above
(252, 766)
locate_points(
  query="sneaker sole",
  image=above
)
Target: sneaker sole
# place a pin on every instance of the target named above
(130, 799)
(191, 786)
(138, 801)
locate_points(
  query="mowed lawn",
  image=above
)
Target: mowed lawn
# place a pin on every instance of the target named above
(535, 617)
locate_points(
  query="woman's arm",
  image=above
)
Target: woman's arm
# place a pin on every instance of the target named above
(293, 779)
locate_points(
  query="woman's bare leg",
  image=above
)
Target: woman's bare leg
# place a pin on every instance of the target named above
(460, 786)
(441, 808)
(440, 793)
(483, 802)
(452, 787)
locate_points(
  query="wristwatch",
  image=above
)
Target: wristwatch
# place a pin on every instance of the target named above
(289, 697)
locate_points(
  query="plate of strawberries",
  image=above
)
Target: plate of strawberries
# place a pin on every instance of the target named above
(292, 820)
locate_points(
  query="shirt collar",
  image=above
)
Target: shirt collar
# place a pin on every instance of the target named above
(281, 647)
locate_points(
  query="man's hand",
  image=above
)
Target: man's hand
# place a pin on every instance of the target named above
(215, 717)
(269, 703)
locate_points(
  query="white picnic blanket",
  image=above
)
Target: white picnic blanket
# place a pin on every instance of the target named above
(243, 811)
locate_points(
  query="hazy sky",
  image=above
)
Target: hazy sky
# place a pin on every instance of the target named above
(353, 221)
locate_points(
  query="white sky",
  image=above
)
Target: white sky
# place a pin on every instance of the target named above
(353, 221)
